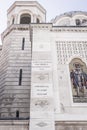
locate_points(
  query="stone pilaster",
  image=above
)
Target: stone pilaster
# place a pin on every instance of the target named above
(42, 107)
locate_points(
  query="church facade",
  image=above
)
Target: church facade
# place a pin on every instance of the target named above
(43, 70)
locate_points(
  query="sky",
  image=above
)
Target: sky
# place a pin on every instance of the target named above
(53, 8)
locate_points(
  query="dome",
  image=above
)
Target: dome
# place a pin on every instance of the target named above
(73, 18)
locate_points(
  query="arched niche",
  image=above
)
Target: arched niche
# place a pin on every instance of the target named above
(25, 18)
(64, 22)
(78, 22)
(78, 77)
(13, 20)
(37, 20)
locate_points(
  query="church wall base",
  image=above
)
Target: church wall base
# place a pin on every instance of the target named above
(14, 124)
(59, 125)
(65, 125)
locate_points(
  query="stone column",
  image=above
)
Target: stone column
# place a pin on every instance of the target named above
(42, 104)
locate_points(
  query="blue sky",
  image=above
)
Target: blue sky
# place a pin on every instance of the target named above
(53, 8)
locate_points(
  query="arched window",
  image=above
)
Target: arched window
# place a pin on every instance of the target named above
(38, 21)
(23, 43)
(25, 19)
(78, 76)
(78, 22)
(13, 21)
(17, 114)
(84, 21)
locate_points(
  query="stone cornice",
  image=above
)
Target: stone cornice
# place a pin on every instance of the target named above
(7, 121)
(43, 26)
(23, 28)
(14, 27)
(69, 29)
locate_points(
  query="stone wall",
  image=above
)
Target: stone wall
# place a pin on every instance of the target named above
(15, 97)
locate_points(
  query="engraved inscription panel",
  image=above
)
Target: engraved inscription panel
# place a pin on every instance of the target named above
(41, 77)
